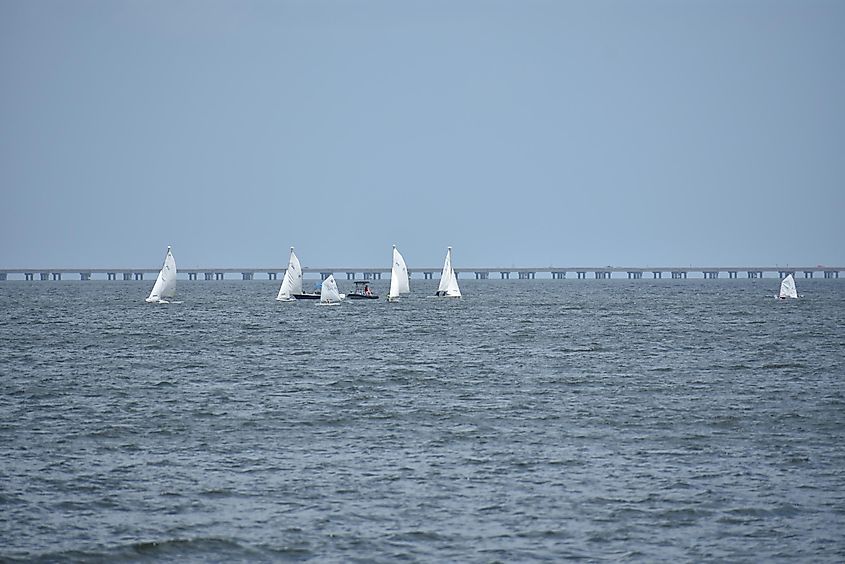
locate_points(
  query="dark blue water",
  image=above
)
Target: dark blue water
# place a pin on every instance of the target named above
(696, 420)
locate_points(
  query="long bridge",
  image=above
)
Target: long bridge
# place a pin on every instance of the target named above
(523, 273)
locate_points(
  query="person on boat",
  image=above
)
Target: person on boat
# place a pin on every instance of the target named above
(367, 290)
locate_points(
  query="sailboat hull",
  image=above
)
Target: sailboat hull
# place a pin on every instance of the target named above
(445, 295)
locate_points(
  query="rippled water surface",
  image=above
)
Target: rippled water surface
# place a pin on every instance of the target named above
(695, 420)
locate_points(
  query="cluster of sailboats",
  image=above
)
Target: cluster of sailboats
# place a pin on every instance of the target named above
(291, 289)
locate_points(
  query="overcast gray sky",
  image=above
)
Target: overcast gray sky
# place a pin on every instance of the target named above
(519, 132)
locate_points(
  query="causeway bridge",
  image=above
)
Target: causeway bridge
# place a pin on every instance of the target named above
(367, 273)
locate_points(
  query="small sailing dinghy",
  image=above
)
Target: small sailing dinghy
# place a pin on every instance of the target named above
(165, 286)
(787, 288)
(328, 292)
(448, 279)
(292, 282)
(399, 282)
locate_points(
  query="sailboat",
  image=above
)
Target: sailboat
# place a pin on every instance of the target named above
(165, 286)
(328, 292)
(448, 279)
(292, 282)
(787, 288)
(399, 283)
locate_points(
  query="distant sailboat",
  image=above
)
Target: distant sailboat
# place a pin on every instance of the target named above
(165, 286)
(292, 282)
(448, 279)
(399, 282)
(787, 288)
(328, 292)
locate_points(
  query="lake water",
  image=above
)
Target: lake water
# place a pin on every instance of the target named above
(645, 420)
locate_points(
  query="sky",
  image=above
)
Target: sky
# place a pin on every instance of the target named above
(521, 133)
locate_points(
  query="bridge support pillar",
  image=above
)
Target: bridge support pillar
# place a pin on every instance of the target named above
(482, 275)
(45, 275)
(29, 275)
(581, 275)
(558, 275)
(505, 275)
(85, 276)
(808, 274)
(271, 276)
(139, 276)
(127, 276)
(325, 275)
(831, 274)
(57, 275)
(350, 276)
(111, 276)
(657, 274)
(636, 275)
(711, 274)
(428, 275)
(192, 276)
(732, 274)
(247, 275)
(524, 275)
(2, 275)
(219, 275)
(602, 275)
(208, 275)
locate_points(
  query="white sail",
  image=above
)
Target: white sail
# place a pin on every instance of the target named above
(328, 291)
(165, 286)
(292, 282)
(787, 288)
(399, 282)
(448, 279)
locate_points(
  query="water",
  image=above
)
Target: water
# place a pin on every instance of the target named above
(532, 420)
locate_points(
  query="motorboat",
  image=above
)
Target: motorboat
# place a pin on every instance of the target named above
(362, 291)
